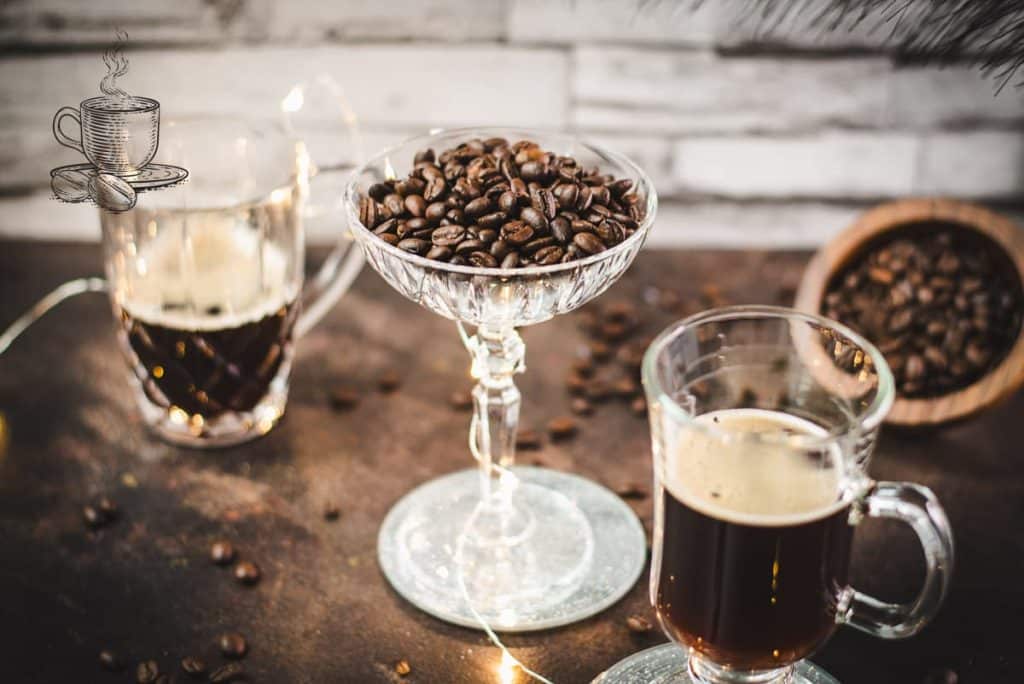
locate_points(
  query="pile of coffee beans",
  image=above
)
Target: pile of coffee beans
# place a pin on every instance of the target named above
(942, 302)
(491, 203)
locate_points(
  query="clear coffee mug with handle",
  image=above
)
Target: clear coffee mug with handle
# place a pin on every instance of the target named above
(206, 280)
(761, 421)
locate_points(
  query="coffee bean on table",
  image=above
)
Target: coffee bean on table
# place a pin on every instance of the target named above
(344, 397)
(332, 511)
(600, 351)
(107, 507)
(581, 406)
(638, 406)
(461, 400)
(638, 624)
(232, 645)
(231, 672)
(164, 679)
(562, 427)
(193, 666)
(93, 517)
(528, 439)
(247, 572)
(146, 672)
(110, 661)
(389, 381)
(222, 553)
(402, 668)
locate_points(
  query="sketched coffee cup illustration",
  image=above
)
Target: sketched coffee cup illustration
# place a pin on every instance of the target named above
(117, 135)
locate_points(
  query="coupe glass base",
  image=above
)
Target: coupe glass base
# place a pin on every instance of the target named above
(550, 549)
(668, 664)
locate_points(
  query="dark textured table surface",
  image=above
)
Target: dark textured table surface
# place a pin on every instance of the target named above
(323, 613)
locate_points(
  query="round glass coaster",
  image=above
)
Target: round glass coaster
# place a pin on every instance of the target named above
(561, 549)
(667, 664)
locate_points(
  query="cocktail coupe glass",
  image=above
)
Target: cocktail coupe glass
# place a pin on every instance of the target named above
(756, 587)
(517, 548)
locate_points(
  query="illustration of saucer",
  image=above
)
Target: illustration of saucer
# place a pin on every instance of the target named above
(151, 177)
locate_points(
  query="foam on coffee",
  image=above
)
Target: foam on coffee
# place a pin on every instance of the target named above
(213, 282)
(750, 482)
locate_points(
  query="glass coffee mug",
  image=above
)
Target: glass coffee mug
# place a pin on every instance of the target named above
(761, 420)
(206, 279)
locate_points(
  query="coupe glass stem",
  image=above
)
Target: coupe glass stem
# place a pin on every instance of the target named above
(498, 354)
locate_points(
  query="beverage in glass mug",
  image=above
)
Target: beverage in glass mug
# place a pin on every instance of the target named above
(756, 545)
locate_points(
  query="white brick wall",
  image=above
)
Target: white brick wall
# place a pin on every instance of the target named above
(747, 143)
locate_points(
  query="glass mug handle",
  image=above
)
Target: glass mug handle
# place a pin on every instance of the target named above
(916, 506)
(329, 284)
(62, 137)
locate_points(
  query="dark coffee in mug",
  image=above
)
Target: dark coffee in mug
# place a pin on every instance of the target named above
(756, 543)
(210, 328)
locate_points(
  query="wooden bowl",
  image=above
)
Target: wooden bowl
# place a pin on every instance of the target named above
(1000, 381)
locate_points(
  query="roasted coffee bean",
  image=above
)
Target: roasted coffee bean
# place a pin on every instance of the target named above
(487, 235)
(424, 155)
(435, 212)
(531, 171)
(547, 256)
(478, 207)
(388, 226)
(492, 220)
(146, 672)
(567, 195)
(232, 645)
(247, 572)
(222, 553)
(534, 219)
(415, 205)
(581, 226)
(468, 246)
(410, 186)
(581, 406)
(561, 230)
(461, 400)
(543, 200)
(482, 259)
(540, 243)
(194, 667)
(232, 672)
(638, 406)
(436, 189)
(516, 233)
(599, 389)
(344, 397)
(562, 427)
(588, 242)
(499, 248)
(620, 187)
(448, 236)
(626, 387)
(368, 212)
(438, 253)
(638, 624)
(379, 191)
(110, 661)
(600, 351)
(414, 245)
(389, 380)
(527, 440)
(610, 231)
(93, 517)
(394, 204)
(402, 668)
(511, 260)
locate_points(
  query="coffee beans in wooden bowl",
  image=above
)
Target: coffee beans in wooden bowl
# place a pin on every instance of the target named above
(492, 203)
(936, 285)
(942, 302)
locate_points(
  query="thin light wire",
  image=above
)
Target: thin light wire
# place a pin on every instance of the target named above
(65, 291)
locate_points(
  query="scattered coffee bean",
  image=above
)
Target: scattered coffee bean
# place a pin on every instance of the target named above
(222, 553)
(942, 302)
(638, 624)
(332, 511)
(231, 672)
(528, 439)
(942, 675)
(344, 398)
(600, 351)
(147, 672)
(164, 679)
(110, 661)
(232, 645)
(389, 381)
(107, 507)
(581, 407)
(599, 389)
(193, 667)
(461, 400)
(93, 517)
(626, 387)
(638, 407)
(402, 668)
(247, 572)
(518, 192)
(632, 490)
(562, 427)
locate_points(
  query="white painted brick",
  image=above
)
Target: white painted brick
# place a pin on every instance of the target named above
(930, 96)
(832, 165)
(651, 153)
(680, 22)
(40, 217)
(70, 22)
(979, 164)
(568, 21)
(672, 91)
(439, 20)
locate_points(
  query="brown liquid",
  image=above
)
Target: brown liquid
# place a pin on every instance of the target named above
(750, 593)
(207, 372)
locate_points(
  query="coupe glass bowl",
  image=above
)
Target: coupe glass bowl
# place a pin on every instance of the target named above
(514, 548)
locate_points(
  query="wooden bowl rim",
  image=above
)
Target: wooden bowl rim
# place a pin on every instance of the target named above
(1001, 381)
